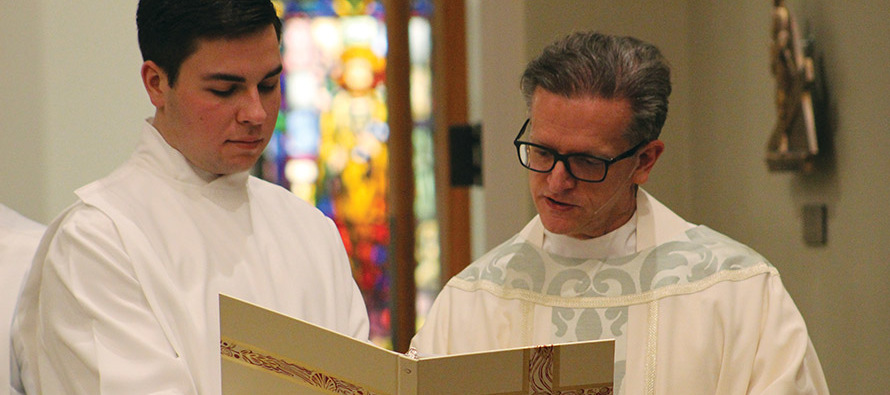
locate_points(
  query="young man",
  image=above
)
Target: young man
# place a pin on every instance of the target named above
(691, 310)
(123, 296)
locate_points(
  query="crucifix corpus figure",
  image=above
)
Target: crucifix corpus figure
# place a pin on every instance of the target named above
(793, 144)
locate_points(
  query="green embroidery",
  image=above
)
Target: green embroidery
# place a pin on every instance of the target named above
(590, 298)
(517, 265)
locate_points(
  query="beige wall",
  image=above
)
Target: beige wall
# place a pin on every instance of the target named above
(840, 288)
(71, 100)
(496, 54)
(22, 88)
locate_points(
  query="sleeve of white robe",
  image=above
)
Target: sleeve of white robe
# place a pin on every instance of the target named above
(97, 333)
(785, 361)
(432, 338)
(19, 237)
(460, 322)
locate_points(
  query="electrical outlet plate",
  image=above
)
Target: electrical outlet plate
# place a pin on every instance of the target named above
(815, 224)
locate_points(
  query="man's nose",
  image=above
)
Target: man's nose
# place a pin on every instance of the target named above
(252, 111)
(560, 178)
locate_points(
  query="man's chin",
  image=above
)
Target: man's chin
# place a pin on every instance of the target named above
(232, 168)
(556, 225)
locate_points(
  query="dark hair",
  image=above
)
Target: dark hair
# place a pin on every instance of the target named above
(590, 64)
(169, 30)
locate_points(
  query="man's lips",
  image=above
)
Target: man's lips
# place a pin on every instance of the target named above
(246, 143)
(556, 204)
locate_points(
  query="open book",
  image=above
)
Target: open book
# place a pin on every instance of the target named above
(270, 353)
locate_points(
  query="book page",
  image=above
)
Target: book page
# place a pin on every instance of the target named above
(267, 352)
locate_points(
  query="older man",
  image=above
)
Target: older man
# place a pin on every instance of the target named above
(692, 311)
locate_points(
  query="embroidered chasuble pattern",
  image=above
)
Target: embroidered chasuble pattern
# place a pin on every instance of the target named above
(589, 298)
(520, 270)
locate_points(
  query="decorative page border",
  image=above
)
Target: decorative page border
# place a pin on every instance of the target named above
(237, 352)
(543, 375)
(542, 363)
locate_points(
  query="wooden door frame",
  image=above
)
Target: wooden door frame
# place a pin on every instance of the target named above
(450, 108)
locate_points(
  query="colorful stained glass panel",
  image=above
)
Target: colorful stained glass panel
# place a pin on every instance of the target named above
(331, 142)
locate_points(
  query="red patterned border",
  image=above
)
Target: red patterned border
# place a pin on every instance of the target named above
(276, 365)
(589, 391)
(543, 375)
(540, 370)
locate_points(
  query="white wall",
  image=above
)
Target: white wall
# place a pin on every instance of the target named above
(71, 103)
(22, 88)
(497, 56)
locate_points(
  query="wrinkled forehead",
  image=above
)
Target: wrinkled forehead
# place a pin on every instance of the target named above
(578, 113)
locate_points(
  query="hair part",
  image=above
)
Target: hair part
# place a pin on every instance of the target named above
(169, 31)
(591, 64)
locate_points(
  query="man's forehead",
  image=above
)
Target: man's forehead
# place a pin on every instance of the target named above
(235, 59)
(236, 77)
(564, 109)
(583, 124)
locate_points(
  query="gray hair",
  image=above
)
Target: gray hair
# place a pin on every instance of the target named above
(590, 64)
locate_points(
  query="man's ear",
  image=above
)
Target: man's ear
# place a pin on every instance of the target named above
(156, 83)
(648, 156)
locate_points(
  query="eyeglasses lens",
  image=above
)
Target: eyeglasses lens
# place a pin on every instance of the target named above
(580, 166)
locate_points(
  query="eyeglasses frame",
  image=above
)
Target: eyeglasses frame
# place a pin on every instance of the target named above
(564, 158)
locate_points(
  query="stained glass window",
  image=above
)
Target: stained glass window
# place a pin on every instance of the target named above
(426, 275)
(330, 143)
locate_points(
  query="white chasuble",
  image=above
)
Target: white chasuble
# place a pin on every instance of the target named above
(691, 311)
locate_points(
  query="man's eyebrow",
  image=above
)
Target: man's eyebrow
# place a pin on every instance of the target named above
(274, 72)
(237, 78)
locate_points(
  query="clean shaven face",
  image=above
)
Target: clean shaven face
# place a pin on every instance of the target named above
(221, 112)
(588, 125)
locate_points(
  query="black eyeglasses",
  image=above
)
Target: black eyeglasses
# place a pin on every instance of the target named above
(583, 167)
